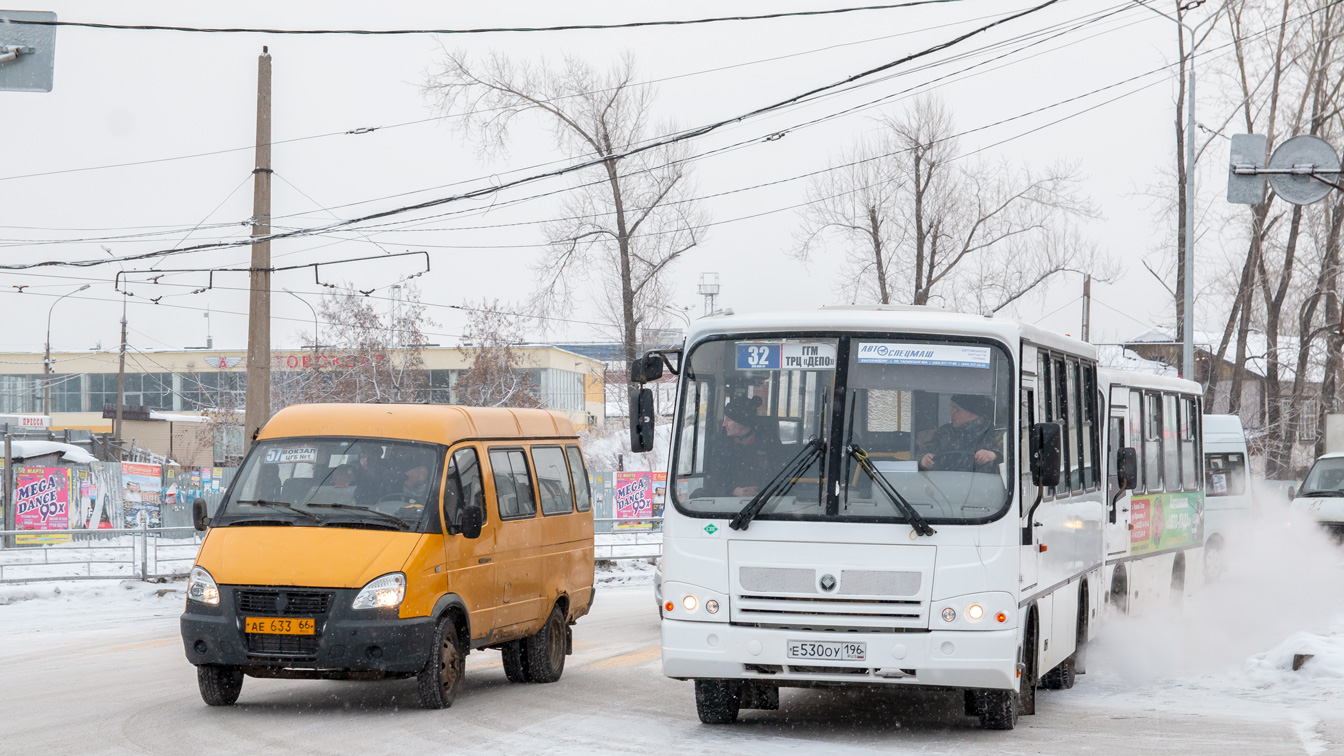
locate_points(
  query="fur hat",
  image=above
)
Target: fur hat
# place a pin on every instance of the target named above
(742, 410)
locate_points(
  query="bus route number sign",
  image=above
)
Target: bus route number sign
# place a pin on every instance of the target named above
(789, 356)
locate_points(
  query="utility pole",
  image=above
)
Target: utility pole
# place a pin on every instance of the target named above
(121, 380)
(1087, 307)
(258, 406)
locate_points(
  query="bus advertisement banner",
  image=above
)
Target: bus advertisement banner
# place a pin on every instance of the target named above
(1165, 521)
(42, 502)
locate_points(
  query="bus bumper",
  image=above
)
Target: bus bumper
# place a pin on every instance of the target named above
(953, 659)
(371, 641)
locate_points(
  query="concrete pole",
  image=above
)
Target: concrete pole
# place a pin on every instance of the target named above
(258, 406)
(1087, 307)
(1188, 324)
(121, 381)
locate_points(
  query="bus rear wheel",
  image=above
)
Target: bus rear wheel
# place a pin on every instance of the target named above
(718, 701)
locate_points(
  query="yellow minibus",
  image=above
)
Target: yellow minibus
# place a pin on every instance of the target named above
(372, 541)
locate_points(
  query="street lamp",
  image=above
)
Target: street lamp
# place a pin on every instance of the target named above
(1188, 314)
(46, 360)
(310, 307)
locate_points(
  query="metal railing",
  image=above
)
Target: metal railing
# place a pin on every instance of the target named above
(141, 553)
(640, 538)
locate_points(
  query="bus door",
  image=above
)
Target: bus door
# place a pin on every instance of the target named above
(1117, 501)
(1028, 566)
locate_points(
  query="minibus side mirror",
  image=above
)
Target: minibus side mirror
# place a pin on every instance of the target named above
(473, 517)
(641, 421)
(1126, 467)
(1292, 492)
(646, 368)
(1046, 453)
(199, 514)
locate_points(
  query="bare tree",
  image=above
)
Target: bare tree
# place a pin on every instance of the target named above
(628, 218)
(920, 223)
(497, 376)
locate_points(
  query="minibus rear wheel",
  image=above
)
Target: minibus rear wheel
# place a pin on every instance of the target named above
(219, 686)
(441, 679)
(515, 662)
(545, 652)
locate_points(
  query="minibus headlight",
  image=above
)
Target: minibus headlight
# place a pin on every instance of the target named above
(382, 593)
(201, 587)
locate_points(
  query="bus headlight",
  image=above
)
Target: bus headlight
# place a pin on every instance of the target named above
(201, 587)
(712, 606)
(949, 614)
(974, 612)
(689, 603)
(382, 593)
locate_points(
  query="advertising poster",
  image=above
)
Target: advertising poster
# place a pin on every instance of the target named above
(104, 496)
(638, 494)
(1165, 521)
(216, 479)
(141, 492)
(42, 502)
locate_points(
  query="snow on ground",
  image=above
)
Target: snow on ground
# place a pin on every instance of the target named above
(626, 572)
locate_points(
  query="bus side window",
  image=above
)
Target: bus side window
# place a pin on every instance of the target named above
(578, 474)
(1091, 426)
(463, 487)
(1152, 442)
(1069, 459)
(513, 487)
(1115, 441)
(1171, 444)
(1047, 415)
(1135, 439)
(1024, 454)
(1189, 473)
(553, 483)
(1074, 437)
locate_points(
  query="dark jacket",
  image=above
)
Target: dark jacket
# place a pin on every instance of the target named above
(968, 439)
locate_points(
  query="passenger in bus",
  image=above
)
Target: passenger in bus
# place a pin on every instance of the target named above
(749, 455)
(969, 443)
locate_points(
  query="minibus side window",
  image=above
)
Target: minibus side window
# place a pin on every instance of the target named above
(579, 475)
(463, 487)
(513, 488)
(552, 480)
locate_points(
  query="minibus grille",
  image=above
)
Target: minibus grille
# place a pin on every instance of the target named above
(283, 602)
(292, 647)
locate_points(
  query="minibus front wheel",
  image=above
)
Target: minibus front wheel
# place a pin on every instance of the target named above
(219, 686)
(441, 679)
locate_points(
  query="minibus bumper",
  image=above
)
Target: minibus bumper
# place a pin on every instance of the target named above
(942, 658)
(345, 639)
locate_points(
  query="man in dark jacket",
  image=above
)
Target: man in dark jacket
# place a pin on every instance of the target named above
(748, 457)
(969, 443)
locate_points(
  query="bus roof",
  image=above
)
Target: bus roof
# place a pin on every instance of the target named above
(433, 423)
(896, 318)
(1111, 377)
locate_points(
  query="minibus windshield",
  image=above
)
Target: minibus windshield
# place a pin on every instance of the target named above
(929, 416)
(1326, 478)
(334, 482)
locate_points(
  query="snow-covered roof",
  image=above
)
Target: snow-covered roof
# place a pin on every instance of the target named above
(26, 449)
(173, 417)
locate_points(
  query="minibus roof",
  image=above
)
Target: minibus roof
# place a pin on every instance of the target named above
(1223, 430)
(911, 319)
(432, 423)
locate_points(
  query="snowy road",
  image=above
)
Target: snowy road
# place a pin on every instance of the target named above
(100, 670)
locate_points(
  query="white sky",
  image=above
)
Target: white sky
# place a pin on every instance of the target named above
(123, 96)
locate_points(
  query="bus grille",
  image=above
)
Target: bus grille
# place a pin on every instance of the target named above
(817, 613)
(283, 602)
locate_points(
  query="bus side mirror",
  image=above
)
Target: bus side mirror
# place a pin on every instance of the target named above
(1126, 467)
(641, 421)
(199, 514)
(646, 368)
(473, 517)
(1046, 453)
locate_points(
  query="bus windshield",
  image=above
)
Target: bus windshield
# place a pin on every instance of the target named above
(338, 482)
(929, 416)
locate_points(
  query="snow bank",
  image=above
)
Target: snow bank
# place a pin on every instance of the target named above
(82, 593)
(627, 572)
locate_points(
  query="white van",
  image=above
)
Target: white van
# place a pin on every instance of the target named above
(1227, 487)
(1322, 493)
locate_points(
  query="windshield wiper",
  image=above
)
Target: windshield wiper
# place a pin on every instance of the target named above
(284, 506)
(917, 520)
(778, 485)
(1321, 493)
(401, 524)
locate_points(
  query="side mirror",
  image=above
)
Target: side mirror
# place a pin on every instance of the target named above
(1292, 492)
(199, 514)
(641, 421)
(473, 517)
(1046, 452)
(1126, 467)
(646, 368)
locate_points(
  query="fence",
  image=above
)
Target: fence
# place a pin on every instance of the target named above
(100, 554)
(627, 538)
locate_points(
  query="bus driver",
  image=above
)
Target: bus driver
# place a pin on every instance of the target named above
(969, 443)
(746, 455)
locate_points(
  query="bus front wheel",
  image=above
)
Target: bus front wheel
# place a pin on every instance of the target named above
(997, 709)
(718, 701)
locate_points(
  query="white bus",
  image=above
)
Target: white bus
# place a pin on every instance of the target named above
(1229, 504)
(879, 496)
(1155, 522)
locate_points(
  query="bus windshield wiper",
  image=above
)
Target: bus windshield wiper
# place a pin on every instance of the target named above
(282, 505)
(917, 520)
(778, 485)
(1314, 494)
(401, 524)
